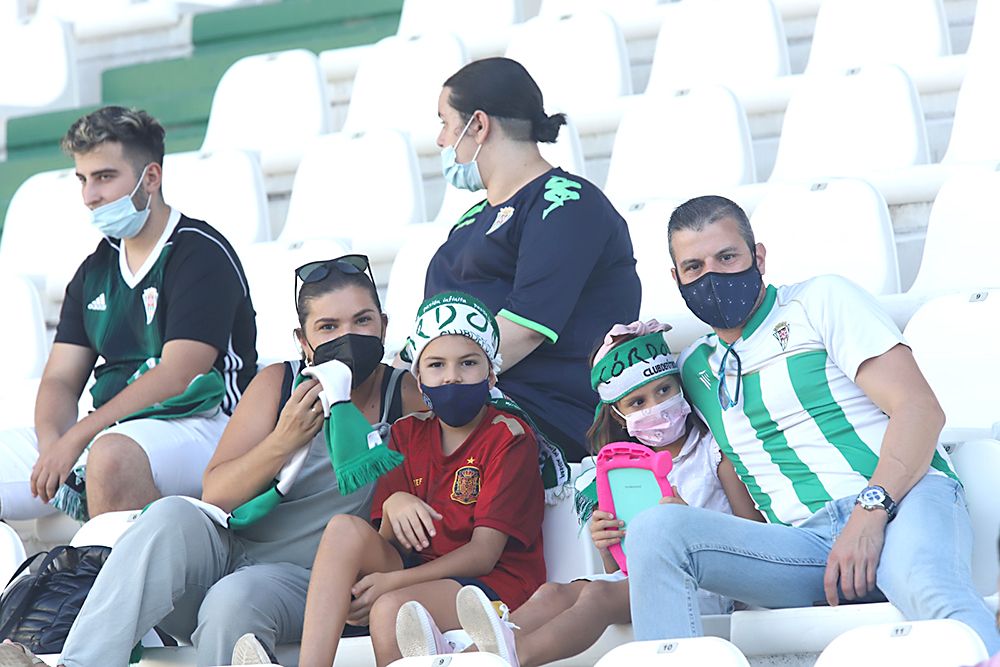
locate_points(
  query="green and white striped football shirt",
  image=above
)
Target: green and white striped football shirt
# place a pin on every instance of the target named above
(802, 432)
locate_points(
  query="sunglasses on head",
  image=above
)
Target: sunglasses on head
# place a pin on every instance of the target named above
(313, 272)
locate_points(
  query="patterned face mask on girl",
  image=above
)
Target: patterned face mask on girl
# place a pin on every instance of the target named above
(660, 424)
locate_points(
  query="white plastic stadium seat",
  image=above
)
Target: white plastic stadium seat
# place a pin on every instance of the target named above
(225, 188)
(977, 463)
(940, 643)
(270, 270)
(592, 67)
(24, 347)
(405, 292)
(97, 19)
(846, 219)
(11, 553)
(50, 80)
(956, 373)
(359, 186)
(398, 83)
(852, 33)
(868, 119)
(680, 144)
(104, 530)
(569, 551)
(985, 39)
(566, 153)
(975, 134)
(274, 103)
(961, 234)
(47, 233)
(647, 225)
(688, 652)
(687, 48)
(473, 20)
(453, 660)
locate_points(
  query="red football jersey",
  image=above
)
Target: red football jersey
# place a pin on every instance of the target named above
(492, 480)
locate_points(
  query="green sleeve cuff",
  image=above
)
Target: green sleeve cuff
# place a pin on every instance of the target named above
(528, 324)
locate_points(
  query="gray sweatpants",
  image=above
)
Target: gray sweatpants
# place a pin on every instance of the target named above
(177, 569)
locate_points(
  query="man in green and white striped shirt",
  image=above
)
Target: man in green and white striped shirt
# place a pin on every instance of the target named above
(812, 393)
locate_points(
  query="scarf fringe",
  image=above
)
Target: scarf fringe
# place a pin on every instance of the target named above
(71, 501)
(366, 468)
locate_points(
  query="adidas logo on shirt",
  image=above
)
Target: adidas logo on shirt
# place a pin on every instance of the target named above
(100, 303)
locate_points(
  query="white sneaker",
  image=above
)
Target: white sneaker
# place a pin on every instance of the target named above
(250, 651)
(417, 634)
(489, 632)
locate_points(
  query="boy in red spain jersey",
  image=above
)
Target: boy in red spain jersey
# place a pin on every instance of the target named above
(464, 508)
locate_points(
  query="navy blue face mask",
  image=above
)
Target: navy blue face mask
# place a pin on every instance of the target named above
(457, 404)
(724, 300)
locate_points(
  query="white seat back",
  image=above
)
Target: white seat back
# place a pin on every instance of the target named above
(867, 119)
(647, 225)
(977, 463)
(852, 33)
(225, 188)
(104, 530)
(687, 48)
(838, 226)
(689, 652)
(273, 103)
(681, 144)
(454, 660)
(270, 270)
(335, 193)
(931, 333)
(975, 133)
(405, 292)
(47, 232)
(39, 65)
(474, 20)
(985, 39)
(593, 64)
(11, 552)
(942, 643)
(569, 551)
(961, 233)
(399, 81)
(24, 346)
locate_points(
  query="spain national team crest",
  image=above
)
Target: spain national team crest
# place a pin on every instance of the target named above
(149, 300)
(465, 489)
(503, 215)
(781, 334)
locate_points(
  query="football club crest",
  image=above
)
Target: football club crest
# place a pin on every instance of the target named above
(465, 489)
(503, 215)
(781, 334)
(150, 297)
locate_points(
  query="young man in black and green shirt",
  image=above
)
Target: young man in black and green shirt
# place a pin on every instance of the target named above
(161, 313)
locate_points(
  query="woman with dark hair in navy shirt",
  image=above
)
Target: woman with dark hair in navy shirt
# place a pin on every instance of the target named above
(546, 251)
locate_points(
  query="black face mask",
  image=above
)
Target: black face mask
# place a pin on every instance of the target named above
(361, 353)
(723, 300)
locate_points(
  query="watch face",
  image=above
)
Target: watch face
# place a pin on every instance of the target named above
(872, 496)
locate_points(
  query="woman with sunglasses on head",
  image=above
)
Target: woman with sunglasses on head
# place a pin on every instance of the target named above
(179, 570)
(545, 251)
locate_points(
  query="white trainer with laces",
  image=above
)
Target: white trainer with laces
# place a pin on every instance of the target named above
(250, 651)
(417, 634)
(488, 631)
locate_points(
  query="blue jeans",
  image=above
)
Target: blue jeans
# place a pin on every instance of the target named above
(924, 569)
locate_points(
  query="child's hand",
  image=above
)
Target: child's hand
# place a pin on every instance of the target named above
(368, 589)
(674, 499)
(412, 520)
(605, 530)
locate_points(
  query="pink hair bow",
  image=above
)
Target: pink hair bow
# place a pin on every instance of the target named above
(637, 328)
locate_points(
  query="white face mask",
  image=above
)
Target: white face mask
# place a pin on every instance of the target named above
(660, 424)
(463, 176)
(120, 219)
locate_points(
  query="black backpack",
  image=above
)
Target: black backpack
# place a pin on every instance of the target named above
(38, 610)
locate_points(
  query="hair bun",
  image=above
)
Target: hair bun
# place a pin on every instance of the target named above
(546, 129)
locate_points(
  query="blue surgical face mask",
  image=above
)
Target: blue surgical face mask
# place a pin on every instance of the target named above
(120, 219)
(457, 404)
(724, 300)
(463, 176)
